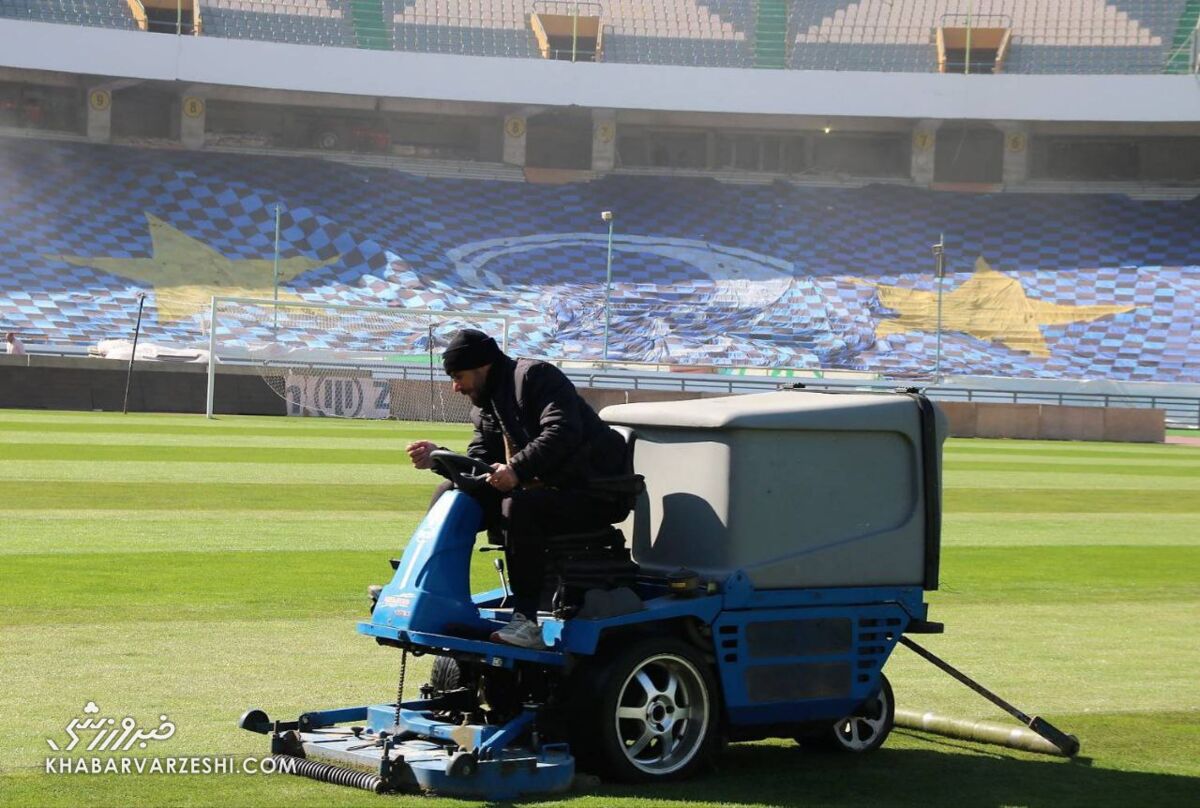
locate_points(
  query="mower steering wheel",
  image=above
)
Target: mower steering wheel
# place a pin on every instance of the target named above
(452, 465)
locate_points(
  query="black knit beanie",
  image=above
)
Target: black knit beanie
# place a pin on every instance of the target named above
(469, 349)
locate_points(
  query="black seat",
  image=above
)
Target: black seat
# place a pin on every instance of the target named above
(596, 559)
(592, 539)
(578, 562)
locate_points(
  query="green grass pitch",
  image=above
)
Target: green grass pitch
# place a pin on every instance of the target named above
(176, 566)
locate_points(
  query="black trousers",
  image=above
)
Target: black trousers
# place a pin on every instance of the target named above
(527, 520)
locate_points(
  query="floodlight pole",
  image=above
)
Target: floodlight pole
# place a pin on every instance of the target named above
(178, 17)
(939, 270)
(607, 216)
(432, 382)
(275, 273)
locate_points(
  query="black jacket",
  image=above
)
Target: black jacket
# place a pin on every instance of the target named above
(556, 436)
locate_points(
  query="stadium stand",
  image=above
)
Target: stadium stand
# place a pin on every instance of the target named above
(775, 275)
(660, 32)
(684, 32)
(1048, 36)
(94, 13)
(498, 28)
(301, 22)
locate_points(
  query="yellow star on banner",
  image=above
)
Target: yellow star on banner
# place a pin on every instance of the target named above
(988, 306)
(186, 273)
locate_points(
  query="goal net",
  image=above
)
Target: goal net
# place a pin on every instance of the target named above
(343, 361)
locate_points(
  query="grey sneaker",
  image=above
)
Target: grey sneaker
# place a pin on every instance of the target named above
(521, 632)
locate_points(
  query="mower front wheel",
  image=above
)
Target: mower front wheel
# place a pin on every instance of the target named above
(655, 713)
(445, 675)
(863, 731)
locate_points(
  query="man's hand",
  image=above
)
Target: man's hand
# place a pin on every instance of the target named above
(419, 452)
(503, 478)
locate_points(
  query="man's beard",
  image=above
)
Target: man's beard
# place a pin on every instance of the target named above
(478, 399)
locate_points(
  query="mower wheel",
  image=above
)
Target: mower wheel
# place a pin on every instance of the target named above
(863, 731)
(654, 713)
(445, 675)
(462, 764)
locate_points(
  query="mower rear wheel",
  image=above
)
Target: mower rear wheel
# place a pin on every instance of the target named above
(655, 714)
(863, 731)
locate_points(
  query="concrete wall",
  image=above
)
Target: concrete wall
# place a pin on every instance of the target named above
(1141, 426)
(396, 74)
(1074, 423)
(1008, 421)
(1052, 422)
(76, 383)
(79, 383)
(99, 384)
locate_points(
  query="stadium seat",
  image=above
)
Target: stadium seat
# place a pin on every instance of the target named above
(92, 13)
(1048, 37)
(1061, 36)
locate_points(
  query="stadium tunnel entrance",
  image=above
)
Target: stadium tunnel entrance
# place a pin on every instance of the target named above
(559, 139)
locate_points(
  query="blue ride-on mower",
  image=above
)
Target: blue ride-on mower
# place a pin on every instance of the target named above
(779, 550)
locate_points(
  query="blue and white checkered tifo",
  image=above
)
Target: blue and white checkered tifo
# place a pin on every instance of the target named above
(702, 272)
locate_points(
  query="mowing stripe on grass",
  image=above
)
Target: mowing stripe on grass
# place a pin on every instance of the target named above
(318, 454)
(399, 470)
(1179, 470)
(436, 434)
(51, 417)
(1055, 657)
(991, 529)
(26, 495)
(1106, 451)
(203, 675)
(1070, 574)
(391, 442)
(89, 531)
(184, 473)
(1037, 500)
(223, 453)
(85, 588)
(300, 497)
(1049, 481)
(1053, 461)
(117, 587)
(204, 531)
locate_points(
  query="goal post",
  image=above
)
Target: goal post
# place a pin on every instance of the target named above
(329, 359)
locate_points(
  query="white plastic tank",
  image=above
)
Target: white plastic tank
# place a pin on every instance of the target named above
(796, 488)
